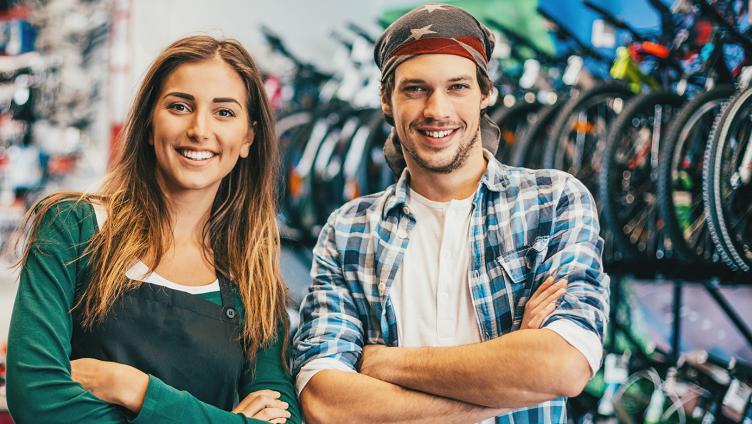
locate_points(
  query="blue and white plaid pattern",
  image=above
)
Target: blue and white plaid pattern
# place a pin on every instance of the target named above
(525, 226)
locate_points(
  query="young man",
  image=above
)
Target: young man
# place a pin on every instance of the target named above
(433, 301)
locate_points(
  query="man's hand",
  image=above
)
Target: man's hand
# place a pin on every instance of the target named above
(263, 405)
(542, 303)
(371, 361)
(111, 382)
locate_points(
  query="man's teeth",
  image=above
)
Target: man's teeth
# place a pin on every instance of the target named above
(195, 155)
(438, 134)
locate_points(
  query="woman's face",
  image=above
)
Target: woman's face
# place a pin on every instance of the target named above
(200, 127)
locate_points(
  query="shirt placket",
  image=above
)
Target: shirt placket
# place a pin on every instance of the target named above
(445, 317)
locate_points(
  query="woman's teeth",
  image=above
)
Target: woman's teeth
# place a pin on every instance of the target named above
(196, 155)
(437, 134)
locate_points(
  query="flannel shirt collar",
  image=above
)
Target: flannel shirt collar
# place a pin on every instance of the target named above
(493, 179)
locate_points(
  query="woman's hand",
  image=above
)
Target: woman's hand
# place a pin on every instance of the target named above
(263, 405)
(111, 382)
(542, 303)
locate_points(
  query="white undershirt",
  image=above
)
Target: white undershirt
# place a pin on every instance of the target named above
(431, 292)
(140, 272)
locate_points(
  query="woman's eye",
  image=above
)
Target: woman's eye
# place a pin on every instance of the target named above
(226, 113)
(179, 107)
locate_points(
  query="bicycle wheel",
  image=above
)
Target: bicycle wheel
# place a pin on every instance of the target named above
(528, 150)
(727, 183)
(629, 173)
(513, 122)
(578, 136)
(680, 177)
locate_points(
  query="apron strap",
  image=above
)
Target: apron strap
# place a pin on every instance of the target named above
(228, 305)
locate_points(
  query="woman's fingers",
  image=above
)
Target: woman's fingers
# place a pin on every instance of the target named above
(272, 415)
(260, 403)
(250, 397)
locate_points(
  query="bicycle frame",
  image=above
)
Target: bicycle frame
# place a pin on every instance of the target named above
(625, 68)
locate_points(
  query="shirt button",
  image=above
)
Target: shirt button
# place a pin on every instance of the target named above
(402, 234)
(406, 210)
(230, 313)
(382, 288)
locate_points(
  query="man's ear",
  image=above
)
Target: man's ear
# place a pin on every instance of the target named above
(386, 105)
(489, 99)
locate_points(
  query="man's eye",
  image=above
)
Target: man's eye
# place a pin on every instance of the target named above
(414, 89)
(226, 113)
(459, 86)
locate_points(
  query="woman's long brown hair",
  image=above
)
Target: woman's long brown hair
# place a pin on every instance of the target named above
(242, 226)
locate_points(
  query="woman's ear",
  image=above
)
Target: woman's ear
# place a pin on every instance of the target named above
(245, 148)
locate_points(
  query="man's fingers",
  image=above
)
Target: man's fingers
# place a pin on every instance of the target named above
(541, 316)
(540, 296)
(554, 296)
(535, 298)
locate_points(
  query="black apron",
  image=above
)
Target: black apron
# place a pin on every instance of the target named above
(188, 342)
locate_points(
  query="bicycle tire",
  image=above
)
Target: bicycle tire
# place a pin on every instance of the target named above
(680, 177)
(513, 123)
(528, 151)
(612, 96)
(617, 205)
(738, 258)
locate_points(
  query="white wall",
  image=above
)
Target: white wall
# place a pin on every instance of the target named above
(303, 25)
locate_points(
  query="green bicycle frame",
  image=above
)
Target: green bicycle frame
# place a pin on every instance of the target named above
(627, 69)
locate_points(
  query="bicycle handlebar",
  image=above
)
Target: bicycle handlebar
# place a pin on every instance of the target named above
(514, 37)
(563, 32)
(613, 20)
(709, 10)
(278, 45)
(340, 39)
(359, 30)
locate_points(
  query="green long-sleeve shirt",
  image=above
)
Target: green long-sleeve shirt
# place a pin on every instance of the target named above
(39, 384)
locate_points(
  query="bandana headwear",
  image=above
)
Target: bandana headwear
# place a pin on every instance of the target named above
(434, 29)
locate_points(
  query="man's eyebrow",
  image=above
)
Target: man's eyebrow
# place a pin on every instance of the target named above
(460, 78)
(187, 96)
(412, 81)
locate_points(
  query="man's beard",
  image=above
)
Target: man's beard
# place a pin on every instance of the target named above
(459, 159)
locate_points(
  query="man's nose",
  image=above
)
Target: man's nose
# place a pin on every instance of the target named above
(438, 106)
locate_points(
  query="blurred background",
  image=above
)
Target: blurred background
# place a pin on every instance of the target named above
(645, 101)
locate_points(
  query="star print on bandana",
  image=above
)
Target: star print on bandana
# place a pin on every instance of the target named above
(431, 7)
(417, 34)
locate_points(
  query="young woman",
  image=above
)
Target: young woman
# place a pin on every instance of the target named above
(159, 299)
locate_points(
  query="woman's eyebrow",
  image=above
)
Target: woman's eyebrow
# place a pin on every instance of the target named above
(226, 100)
(187, 96)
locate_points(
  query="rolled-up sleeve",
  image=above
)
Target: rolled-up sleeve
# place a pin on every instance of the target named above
(574, 254)
(330, 326)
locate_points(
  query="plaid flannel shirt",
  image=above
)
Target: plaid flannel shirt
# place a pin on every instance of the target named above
(525, 225)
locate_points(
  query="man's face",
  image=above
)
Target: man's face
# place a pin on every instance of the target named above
(436, 106)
